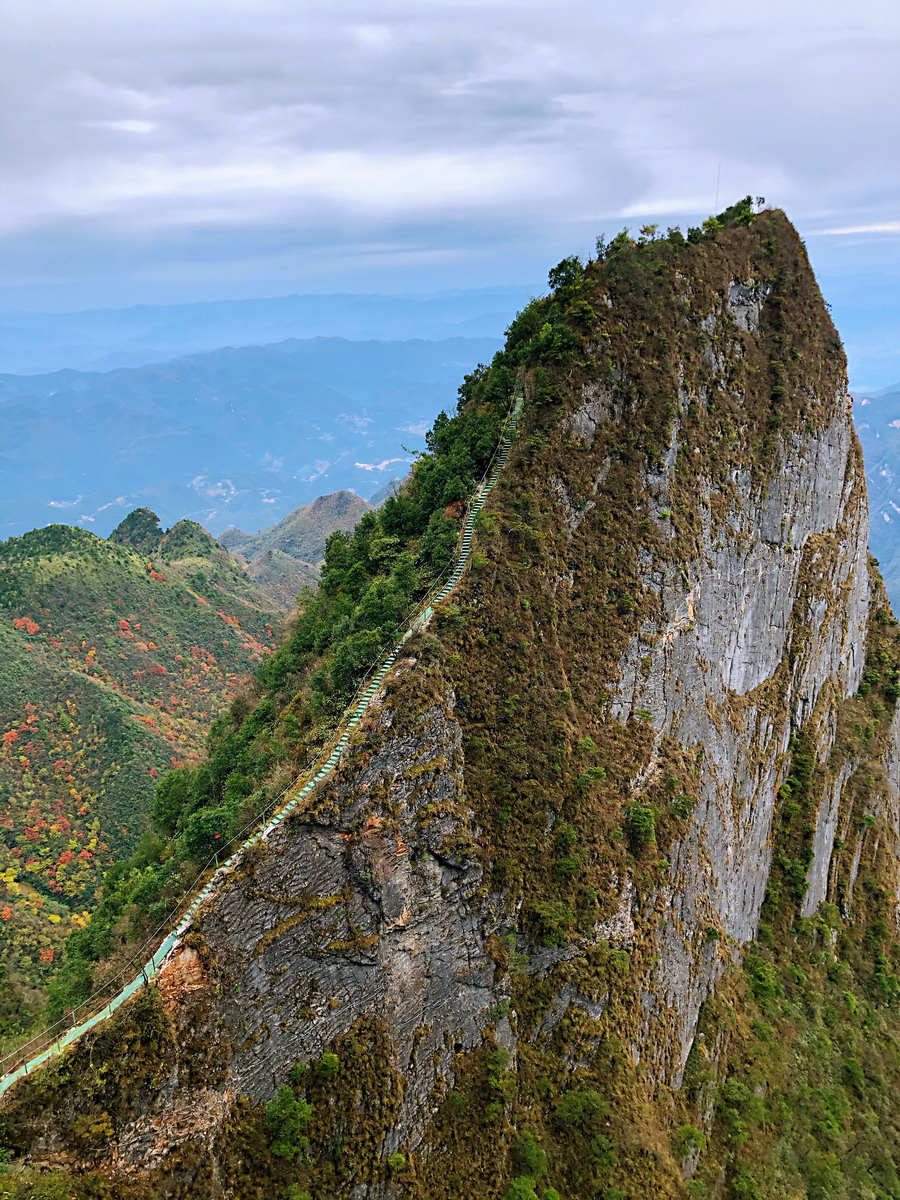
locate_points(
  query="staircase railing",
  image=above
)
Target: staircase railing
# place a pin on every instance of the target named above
(56, 1037)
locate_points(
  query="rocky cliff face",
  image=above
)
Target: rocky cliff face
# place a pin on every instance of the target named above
(645, 763)
(757, 636)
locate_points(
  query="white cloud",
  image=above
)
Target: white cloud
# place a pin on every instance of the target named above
(433, 130)
(124, 126)
(382, 466)
(876, 227)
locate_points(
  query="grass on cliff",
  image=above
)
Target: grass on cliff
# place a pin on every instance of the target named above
(802, 1087)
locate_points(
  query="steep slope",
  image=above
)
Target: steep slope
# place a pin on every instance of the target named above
(602, 900)
(114, 659)
(280, 575)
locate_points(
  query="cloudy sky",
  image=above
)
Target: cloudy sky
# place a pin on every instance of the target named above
(166, 150)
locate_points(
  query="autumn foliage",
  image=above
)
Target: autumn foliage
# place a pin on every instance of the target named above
(111, 671)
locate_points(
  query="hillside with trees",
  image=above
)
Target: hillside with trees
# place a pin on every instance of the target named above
(115, 658)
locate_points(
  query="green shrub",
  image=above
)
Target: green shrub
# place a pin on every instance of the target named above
(554, 920)
(591, 776)
(497, 1065)
(397, 1161)
(521, 1189)
(500, 1081)
(641, 827)
(762, 976)
(328, 1066)
(571, 861)
(739, 1108)
(570, 865)
(566, 274)
(603, 1152)
(686, 1140)
(566, 837)
(886, 983)
(745, 1187)
(580, 1110)
(681, 807)
(529, 1156)
(286, 1118)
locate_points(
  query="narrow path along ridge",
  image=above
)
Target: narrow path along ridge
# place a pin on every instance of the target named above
(321, 769)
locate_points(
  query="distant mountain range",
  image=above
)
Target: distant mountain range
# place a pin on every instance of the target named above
(878, 423)
(285, 557)
(230, 437)
(102, 339)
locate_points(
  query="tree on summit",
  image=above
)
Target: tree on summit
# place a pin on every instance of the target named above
(140, 530)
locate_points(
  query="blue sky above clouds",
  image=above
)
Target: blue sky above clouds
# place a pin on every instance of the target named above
(170, 150)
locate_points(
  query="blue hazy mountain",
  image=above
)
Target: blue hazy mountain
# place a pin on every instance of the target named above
(878, 423)
(102, 339)
(229, 437)
(866, 311)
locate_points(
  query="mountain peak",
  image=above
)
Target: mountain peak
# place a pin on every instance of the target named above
(303, 532)
(187, 539)
(600, 882)
(140, 530)
(340, 504)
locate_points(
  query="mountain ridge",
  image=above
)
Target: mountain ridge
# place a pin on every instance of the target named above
(235, 436)
(104, 339)
(602, 897)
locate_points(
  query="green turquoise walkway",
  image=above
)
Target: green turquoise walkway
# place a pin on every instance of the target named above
(322, 770)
